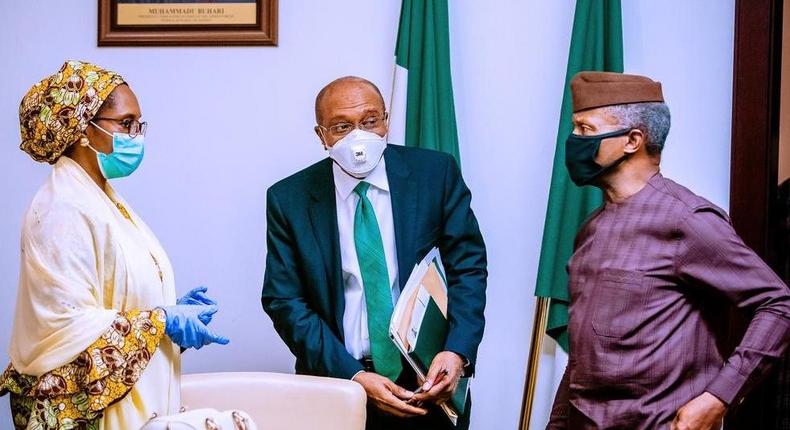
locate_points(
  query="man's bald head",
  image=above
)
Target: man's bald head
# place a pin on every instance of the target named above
(344, 88)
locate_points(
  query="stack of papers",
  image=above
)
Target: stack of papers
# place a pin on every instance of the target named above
(419, 324)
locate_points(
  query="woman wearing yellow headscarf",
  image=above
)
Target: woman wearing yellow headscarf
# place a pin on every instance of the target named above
(97, 329)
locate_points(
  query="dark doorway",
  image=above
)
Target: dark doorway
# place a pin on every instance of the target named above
(758, 204)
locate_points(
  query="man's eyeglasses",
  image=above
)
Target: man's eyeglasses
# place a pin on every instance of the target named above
(132, 126)
(371, 123)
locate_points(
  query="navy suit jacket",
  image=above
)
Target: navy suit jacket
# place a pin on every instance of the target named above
(303, 289)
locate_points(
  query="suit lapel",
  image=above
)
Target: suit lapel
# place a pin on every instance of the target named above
(403, 195)
(323, 218)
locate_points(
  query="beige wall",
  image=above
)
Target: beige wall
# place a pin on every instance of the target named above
(784, 114)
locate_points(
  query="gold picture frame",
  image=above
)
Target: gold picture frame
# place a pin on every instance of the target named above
(187, 23)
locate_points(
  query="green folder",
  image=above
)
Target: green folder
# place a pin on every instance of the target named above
(419, 328)
(430, 342)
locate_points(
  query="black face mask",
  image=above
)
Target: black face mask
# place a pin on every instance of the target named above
(580, 152)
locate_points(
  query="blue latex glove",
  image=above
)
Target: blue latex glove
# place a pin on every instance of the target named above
(185, 327)
(197, 296)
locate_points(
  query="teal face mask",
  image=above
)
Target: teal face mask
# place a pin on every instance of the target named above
(126, 156)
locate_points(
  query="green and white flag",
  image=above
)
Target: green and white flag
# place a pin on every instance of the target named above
(422, 113)
(596, 45)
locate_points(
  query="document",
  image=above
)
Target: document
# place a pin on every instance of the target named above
(419, 324)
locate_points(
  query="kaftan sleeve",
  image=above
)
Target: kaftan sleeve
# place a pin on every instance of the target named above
(101, 375)
(711, 255)
(69, 350)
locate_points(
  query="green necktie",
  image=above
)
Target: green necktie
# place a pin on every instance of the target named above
(376, 283)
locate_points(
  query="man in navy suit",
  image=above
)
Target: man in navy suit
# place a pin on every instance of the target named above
(343, 236)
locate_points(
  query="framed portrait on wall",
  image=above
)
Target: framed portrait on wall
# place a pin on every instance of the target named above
(187, 22)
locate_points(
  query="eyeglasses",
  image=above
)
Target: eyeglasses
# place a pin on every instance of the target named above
(132, 126)
(373, 122)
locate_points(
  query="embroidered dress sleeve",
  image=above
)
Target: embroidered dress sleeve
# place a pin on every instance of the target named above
(75, 394)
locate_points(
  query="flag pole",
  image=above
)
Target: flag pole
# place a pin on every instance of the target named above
(538, 331)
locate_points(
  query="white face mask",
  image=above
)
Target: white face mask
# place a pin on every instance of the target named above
(358, 153)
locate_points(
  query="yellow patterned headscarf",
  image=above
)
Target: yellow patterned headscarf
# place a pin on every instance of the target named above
(54, 113)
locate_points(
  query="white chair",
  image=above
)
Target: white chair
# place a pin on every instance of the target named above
(280, 401)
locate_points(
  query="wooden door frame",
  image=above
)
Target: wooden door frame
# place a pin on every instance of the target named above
(757, 69)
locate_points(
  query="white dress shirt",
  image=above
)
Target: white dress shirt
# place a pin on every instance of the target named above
(355, 317)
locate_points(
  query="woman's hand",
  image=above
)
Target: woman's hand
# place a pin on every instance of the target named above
(197, 296)
(185, 326)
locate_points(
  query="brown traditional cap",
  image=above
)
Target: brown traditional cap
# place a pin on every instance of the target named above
(597, 89)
